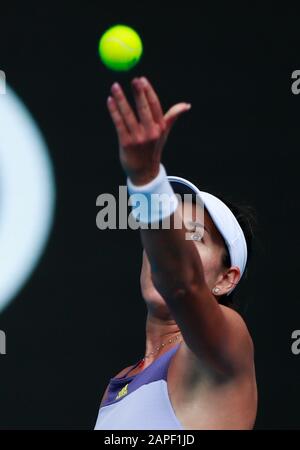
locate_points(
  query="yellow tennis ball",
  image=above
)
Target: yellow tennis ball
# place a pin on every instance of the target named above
(120, 48)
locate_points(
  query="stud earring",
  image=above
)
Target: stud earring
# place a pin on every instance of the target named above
(215, 290)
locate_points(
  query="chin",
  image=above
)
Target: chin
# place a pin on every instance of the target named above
(151, 295)
(155, 302)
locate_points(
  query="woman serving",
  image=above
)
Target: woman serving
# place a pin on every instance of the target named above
(198, 368)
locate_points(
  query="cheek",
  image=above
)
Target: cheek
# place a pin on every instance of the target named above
(210, 261)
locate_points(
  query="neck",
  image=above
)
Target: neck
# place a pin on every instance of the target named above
(158, 331)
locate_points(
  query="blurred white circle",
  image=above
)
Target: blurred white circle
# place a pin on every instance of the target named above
(27, 195)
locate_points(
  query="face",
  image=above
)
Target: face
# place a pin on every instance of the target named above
(211, 249)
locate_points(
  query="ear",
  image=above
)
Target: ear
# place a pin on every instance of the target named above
(229, 279)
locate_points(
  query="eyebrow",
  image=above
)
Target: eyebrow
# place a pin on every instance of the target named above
(198, 224)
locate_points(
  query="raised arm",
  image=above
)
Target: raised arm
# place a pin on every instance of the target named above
(213, 333)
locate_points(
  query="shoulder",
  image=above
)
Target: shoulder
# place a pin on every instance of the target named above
(122, 372)
(239, 328)
(119, 374)
(238, 349)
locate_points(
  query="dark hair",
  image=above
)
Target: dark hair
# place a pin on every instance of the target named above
(247, 218)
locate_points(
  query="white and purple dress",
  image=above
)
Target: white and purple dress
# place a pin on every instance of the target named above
(141, 401)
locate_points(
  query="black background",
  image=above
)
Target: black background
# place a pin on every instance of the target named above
(80, 318)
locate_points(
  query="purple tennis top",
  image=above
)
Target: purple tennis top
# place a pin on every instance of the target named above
(141, 401)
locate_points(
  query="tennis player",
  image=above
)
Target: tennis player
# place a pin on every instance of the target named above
(198, 368)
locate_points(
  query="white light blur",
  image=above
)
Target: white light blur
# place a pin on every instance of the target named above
(27, 195)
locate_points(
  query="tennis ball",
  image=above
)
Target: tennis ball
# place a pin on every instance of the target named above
(120, 48)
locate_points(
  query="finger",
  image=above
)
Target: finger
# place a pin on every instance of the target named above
(124, 108)
(153, 100)
(142, 104)
(117, 119)
(175, 111)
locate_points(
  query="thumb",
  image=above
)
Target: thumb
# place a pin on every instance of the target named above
(174, 112)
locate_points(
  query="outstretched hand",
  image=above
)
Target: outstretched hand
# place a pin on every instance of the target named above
(142, 139)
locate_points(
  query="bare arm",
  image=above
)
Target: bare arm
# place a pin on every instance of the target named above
(214, 335)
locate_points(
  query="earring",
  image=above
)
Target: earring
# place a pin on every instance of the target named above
(215, 290)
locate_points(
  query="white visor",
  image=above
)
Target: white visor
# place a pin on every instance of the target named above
(224, 221)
